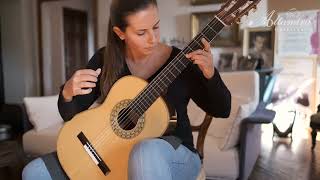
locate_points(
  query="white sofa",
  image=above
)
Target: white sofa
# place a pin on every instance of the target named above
(223, 158)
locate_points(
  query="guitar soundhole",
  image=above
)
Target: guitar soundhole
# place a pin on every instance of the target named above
(127, 119)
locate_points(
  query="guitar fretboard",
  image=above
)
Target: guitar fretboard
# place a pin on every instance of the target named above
(162, 81)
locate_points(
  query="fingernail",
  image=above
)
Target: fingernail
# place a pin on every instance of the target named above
(98, 71)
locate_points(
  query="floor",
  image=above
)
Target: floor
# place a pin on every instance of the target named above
(283, 159)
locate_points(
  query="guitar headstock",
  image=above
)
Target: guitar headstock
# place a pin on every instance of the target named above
(233, 10)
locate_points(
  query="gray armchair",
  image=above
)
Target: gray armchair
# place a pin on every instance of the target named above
(249, 145)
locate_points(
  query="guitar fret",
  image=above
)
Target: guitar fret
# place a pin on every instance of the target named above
(198, 44)
(190, 48)
(134, 102)
(159, 87)
(157, 95)
(195, 46)
(182, 63)
(144, 106)
(167, 79)
(220, 20)
(212, 29)
(176, 68)
(172, 74)
(164, 85)
(139, 108)
(149, 98)
(205, 37)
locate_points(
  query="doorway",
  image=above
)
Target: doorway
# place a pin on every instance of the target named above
(75, 40)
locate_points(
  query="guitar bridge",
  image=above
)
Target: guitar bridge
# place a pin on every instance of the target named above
(96, 158)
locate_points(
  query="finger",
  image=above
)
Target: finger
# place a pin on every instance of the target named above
(206, 45)
(87, 85)
(199, 57)
(89, 72)
(199, 63)
(83, 91)
(98, 71)
(197, 52)
(89, 78)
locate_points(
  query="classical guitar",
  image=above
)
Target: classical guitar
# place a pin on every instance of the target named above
(96, 143)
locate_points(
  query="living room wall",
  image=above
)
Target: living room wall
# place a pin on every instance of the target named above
(19, 52)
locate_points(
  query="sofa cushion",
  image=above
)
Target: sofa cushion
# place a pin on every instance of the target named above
(41, 142)
(219, 164)
(220, 126)
(42, 111)
(232, 136)
(242, 83)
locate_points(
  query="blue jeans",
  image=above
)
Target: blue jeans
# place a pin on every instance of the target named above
(151, 159)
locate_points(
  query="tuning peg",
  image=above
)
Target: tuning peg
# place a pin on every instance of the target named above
(254, 9)
(238, 20)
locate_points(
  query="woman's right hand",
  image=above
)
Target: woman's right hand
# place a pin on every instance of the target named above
(81, 83)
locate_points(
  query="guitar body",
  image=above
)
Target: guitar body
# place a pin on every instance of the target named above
(99, 127)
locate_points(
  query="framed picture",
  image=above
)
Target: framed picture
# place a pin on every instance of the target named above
(226, 62)
(258, 44)
(203, 2)
(229, 36)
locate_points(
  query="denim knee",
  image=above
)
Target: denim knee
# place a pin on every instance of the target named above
(151, 147)
(149, 160)
(36, 169)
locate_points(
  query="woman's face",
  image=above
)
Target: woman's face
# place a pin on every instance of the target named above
(142, 33)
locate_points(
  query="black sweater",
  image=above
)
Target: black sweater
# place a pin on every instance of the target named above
(211, 95)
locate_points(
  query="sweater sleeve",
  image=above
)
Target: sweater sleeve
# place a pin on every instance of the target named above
(80, 103)
(211, 95)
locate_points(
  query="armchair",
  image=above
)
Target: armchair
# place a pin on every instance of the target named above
(231, 146)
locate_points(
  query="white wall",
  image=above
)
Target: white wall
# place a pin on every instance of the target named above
(30, 44)
(102, 19)
(53, 41)
(19, 49)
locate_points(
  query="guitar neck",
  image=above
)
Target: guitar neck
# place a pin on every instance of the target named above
(162, 81)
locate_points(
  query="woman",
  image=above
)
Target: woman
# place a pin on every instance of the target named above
(133, 47)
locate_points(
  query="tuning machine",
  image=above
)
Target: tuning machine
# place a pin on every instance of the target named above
(254, 9)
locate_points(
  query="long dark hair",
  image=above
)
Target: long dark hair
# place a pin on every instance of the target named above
(114, 55)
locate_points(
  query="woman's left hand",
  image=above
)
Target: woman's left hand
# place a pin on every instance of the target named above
(203, 58)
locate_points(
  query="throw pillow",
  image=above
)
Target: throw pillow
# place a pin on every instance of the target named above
(232, 136)
(42, 111)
